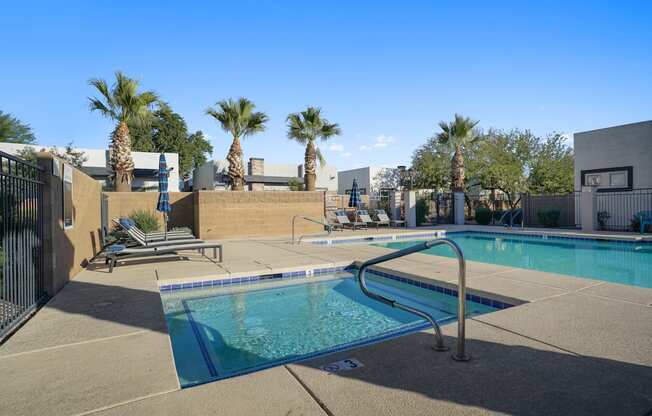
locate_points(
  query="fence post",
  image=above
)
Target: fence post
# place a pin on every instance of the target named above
(458, 206)
(395, 205)
(588, 209)
(411, 208)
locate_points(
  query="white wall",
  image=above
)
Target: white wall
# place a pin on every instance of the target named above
(99, 158)
(626, 145)
(371, 178)
(327, 178)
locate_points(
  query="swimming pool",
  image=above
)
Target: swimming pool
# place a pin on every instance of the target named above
(625, 262)
(224, 331)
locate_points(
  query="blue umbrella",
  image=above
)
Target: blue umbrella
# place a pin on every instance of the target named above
(354, 198)
(163, 204)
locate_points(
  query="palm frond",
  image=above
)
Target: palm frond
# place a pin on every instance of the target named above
(320, 157)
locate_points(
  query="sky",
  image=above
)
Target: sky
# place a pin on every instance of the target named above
(387, 72)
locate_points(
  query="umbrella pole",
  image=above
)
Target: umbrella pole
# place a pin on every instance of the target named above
(165, 220)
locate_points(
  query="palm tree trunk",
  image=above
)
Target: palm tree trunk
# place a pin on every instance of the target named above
(236, 168)
(457, 171)
(121, 160)
(310, 160)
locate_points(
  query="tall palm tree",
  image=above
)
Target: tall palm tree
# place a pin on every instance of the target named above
(124, 104)
(457, 135)
(306, 127)
(238, 118)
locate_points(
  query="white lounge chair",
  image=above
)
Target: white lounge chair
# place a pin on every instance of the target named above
(383, 219)
(343, 219)
(363, 216)
(157, 240)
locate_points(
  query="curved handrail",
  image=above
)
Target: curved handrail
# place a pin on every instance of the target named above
(460, 355)
(329, 227)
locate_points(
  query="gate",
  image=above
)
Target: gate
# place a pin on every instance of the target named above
(22, 286)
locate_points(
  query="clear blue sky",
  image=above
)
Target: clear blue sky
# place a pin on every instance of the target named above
(386, 71)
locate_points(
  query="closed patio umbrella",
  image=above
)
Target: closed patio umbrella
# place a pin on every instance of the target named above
(354, 198)
(163, 204)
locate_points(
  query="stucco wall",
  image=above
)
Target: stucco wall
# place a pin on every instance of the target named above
(67, 251)
(255, 214)
(626, 145)
(122, 204)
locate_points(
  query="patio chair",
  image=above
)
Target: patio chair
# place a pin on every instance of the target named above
(146, 240)
(383, 219)
(152, 235)
(645, 218)
(343, 219)
(364, 216)
(331, 220)
(116, 252)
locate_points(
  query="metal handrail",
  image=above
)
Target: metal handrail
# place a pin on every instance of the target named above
(460, 355)
(329, 227)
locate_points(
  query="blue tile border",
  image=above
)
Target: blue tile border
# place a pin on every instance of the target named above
(552, 237)
(229, 281)
(372, 238)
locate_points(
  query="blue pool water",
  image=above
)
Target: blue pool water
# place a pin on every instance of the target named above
(628, 263)
(226, 331)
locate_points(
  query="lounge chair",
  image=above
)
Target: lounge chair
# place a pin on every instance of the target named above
(332, 222)
(343, 219)
(383, 219)
(116, 252)
(149, 240)
(645, 218)
(363, 216)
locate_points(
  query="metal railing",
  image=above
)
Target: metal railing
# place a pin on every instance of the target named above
(329, 227)
(460, 355)
(22, 287)
(617, 211)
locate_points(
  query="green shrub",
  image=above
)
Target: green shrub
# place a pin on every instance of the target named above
(483, 215)
(146, 220)
(423, 209)
(549, 217)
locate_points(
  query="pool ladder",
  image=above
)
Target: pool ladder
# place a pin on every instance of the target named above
(329, 227)
(460, 354)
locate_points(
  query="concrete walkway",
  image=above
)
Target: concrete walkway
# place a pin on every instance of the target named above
(572, 346)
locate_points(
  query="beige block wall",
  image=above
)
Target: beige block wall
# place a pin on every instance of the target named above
(67, 251)
(121, 204)
(255, 214)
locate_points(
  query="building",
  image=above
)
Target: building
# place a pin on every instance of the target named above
(261, 176)
(375, 181)
(97, 166)
(614, 158)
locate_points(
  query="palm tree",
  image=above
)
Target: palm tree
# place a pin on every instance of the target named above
(306, 127)
(239, 119)
(457, 135)
(124, 104)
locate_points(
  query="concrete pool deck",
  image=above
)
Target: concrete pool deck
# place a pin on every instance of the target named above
(572, 346)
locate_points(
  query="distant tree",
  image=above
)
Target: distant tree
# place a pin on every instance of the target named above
(431, 164)
(70, 155)
(123, 104)
(552, 170)
(306, 127)
(458, 135)
(167, 132)
(238, 118)
(13, 130)
(295, 185)
(503, 162)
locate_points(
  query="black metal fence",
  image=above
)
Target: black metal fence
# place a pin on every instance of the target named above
(21, 240)
(441, 208)
(616, 211)
(552, 210)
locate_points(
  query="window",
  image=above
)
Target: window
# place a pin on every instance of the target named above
(594, 179)
(67, 197)
(618, 179)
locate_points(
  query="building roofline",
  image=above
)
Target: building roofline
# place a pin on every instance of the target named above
(613, 127)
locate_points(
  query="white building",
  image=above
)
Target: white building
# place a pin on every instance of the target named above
(262, 176)
(375, 181)
(97, 165)
(615, 158)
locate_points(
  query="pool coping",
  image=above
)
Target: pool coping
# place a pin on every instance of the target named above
(441, 233)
